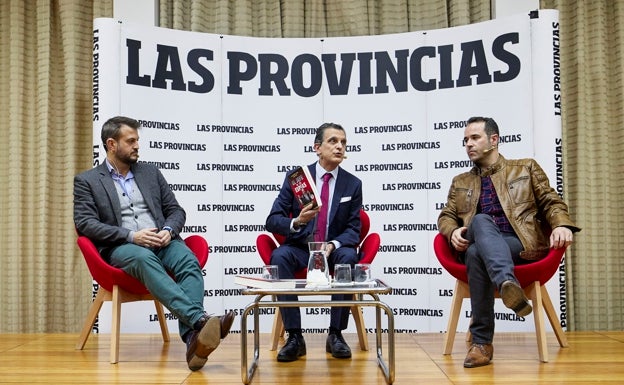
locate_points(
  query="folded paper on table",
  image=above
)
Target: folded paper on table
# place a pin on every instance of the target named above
(263, 283)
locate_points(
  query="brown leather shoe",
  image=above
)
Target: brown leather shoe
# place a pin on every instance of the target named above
(514, 298)
(226, 323)
(203, 342)
(479, 355)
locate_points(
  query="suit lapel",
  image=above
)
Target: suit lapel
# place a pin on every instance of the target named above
(111, 191)
(339, 192)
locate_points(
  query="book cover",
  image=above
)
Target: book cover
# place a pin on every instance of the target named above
(263, 283)
(304, 188)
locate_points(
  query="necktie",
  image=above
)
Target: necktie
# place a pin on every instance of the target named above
(321, 221)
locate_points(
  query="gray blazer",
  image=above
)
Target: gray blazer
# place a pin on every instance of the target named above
(97, 211)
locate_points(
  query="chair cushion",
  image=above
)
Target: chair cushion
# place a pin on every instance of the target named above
(541, 270)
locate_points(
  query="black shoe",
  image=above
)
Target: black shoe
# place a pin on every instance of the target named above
(337, 346)
(293, 349)
(514, 298)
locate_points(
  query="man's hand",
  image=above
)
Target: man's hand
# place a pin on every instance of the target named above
(458, 241)
(307, 214)
(151, 237)
(561, 237)
(329, 248)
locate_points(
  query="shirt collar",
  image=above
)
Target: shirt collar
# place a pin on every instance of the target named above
(320, 171)
(115, 174)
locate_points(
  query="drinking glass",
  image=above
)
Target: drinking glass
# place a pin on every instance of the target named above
(362, 272)
(270, 272)
(342, 274)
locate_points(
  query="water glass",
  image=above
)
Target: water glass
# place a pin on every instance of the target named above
(362, 272)
(342, 274)
(270, 272)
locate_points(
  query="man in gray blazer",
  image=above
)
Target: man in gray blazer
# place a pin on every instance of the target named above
(129, 212)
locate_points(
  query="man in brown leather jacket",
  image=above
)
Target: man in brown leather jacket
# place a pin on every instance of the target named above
(495, 217)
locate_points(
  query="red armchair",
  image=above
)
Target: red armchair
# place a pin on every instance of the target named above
(117, 286)
(532, 277)
(368, 248)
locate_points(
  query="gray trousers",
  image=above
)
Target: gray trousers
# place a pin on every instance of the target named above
(490, 260)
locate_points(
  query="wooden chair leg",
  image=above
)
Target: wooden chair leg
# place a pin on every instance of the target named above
(552, 317)
(278, 329)
(358, 318)
(101, 296)
(164, 329)
(535, 294)
(116, 322)
(461, 292)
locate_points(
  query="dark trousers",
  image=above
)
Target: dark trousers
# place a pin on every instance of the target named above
(490, 260)
(290, 259)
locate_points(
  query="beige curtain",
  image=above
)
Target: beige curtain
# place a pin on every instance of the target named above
(592, 65)
(45, 93)
(45, 104)
(319, 18)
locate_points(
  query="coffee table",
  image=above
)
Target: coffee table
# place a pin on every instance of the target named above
(371, 292)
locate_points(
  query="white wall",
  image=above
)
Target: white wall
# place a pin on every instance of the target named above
(502, 8)
(136, 11)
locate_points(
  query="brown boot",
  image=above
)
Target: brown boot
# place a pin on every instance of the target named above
(514, 298)
(479, 355)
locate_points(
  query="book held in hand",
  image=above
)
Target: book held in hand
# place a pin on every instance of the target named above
(304, 188)
(263, 283)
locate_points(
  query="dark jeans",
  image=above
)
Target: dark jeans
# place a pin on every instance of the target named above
(290, 259)
(489, 262)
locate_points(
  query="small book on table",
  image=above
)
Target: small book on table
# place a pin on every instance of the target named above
(263, 283)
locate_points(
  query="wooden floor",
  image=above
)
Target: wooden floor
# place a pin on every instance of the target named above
(51, 359)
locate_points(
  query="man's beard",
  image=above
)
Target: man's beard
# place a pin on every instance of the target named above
(129, 160)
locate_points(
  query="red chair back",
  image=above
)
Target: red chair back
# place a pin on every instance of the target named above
(541, 270)
(364, 225)
(265, 245)
(199, 247)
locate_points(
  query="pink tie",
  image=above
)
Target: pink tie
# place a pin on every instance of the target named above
(321, 222)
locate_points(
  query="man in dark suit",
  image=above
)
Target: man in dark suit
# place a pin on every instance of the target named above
(341, 232)
(129, 212)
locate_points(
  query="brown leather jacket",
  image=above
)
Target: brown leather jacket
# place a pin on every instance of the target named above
(530, 204)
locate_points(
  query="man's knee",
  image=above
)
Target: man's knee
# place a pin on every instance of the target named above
(345, 255)
(481, 224)
(481, 219)
(278, 256)
(132, 259)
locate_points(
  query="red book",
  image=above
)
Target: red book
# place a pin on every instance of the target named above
(304, 188)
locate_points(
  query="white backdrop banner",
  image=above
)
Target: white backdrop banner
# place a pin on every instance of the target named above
(224, 117)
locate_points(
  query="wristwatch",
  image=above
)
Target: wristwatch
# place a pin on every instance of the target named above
(170, 230)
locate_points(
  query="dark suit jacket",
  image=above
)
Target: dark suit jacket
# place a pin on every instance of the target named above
(97, 211)
(344, 215)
